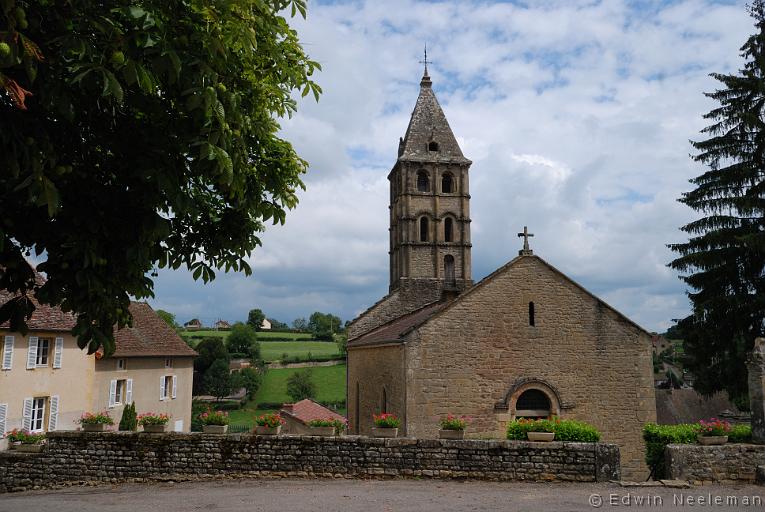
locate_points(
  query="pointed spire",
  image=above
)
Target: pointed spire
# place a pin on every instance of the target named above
(425, 82)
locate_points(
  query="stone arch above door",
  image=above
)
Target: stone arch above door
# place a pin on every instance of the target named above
(507, 405)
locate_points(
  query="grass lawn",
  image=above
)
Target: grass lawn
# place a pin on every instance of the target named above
(262, 335)
(273, 350)
(330, 384)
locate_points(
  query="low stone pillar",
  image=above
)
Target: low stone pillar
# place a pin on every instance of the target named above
(755, 365)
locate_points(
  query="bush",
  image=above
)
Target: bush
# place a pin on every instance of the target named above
(300, 385)
(565, 430)
(129, 419)
(740, 434)
(656, 437)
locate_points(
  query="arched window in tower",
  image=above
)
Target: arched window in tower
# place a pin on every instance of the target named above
(433, 146)
(423, 182)
(449, 276)
(447, 183)
(423, 229)
(448, 230)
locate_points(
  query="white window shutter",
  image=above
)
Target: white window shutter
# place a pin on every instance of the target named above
(59, 353)
(3, 418)
(162, 387)
(112, 392)
(175, 385)
(26, 422)
(32, 353)
(53, 421)
(129, 392)
(8, 352)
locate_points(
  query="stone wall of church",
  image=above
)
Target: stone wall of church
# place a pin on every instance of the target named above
(729, 463)
(469, 357)
(376, 383)
(73, 458)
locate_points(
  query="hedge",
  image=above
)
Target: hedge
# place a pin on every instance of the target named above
(656, 437)
(565, 430)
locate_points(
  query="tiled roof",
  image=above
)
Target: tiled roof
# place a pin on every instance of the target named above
(149, 336)
(44, 317)
(307, 410)
(394, 330)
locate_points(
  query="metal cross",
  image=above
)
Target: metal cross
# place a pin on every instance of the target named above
(426, 61)
(525, 236)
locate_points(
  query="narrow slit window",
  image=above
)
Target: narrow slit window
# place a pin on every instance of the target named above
(424, 229)
(532, 320)
(448, 230)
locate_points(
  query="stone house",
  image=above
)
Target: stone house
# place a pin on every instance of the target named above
(194, 323)
(526, 341)
(47, 382)
(296, 416)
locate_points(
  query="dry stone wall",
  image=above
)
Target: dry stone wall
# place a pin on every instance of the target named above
(77, 458)
(721, 464)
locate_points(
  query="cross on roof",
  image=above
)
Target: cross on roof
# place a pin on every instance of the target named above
(426, 61)
(526, 250)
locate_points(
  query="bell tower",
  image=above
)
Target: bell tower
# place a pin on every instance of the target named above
(429, 204)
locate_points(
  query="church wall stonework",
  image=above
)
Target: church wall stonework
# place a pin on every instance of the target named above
(372, 370)
(467, 358)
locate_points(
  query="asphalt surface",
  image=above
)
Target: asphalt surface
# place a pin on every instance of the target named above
(377, 496)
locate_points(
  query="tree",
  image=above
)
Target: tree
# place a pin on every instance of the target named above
(300, 385)
(209, 350)
(250, 379)
(724, 260)
(168, 317)
(342, 344)
(300, 324)
(129, 419)
(140, 135)
(255, 318)
(323, 326)
(242, 339)
(217, 380)
(276, 325)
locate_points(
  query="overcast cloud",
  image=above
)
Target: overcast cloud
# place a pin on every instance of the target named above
(576, 114)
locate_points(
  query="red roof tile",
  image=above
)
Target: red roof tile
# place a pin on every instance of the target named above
(149, 336)
(307, 410)
(44, 317)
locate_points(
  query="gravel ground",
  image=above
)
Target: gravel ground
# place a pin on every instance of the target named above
(375, 496)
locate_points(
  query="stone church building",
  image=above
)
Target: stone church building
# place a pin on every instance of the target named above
(526, 341)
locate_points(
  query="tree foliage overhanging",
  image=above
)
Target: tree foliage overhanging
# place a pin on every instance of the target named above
(724, 260)
(136, 135)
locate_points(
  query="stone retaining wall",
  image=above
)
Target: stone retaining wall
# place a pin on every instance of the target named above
(705, 464)
(76, 457)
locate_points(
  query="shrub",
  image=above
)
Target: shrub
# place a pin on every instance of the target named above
(386, 420)
(656, 437)
(300, 385)
(452, 422)
(319, 422)
(129, 419)
(565, 430)
(740, 434)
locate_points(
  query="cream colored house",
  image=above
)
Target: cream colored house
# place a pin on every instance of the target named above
(47, 382)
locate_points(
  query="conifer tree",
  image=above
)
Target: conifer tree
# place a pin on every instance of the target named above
(724, 260)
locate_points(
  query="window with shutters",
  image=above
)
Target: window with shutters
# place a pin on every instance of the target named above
(7, 353)
(3, 419)
(37, 423)
(167, 388)
(120, 391)
(43, 352)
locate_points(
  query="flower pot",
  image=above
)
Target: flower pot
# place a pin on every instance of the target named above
(384, 432)
(214, 429)
(29, 448)
(540, 436)
(263, 430)
(93, 427)
(154, 429)
(451, 434)
(321, 431)
(712, 440)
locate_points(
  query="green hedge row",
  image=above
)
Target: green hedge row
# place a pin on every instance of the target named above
(657, 437)
(565, 430)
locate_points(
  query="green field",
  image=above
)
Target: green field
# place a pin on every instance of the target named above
(273, 350)
(262, 335)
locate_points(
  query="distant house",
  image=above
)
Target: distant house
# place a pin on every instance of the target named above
(47, 382)
(194, 323)
(296, 416)
(266, 325)
(659, 343)
(222, 325)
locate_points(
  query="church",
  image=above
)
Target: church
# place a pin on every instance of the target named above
(526, 341)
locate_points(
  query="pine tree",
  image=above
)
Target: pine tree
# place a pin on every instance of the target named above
(724, 260)
(129, 420)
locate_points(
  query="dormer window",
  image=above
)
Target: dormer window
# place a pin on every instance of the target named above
(433, 146)
(423, 182)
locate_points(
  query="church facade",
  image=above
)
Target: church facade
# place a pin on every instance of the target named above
(526, 341)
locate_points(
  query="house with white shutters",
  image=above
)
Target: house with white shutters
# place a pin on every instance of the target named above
(47, 382)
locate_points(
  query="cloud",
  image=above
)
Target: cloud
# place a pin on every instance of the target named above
(576, 115)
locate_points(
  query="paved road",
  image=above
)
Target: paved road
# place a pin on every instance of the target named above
(368, 496)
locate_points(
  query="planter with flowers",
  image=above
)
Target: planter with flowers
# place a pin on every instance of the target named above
(153, 423)
(322, 427)
(95, 422)
(453, 427)
(713, 432)
(214, 422)
(268, 424)
(24, 441)
(386, 425)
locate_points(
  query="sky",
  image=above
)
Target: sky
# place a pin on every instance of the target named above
(577, 116)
